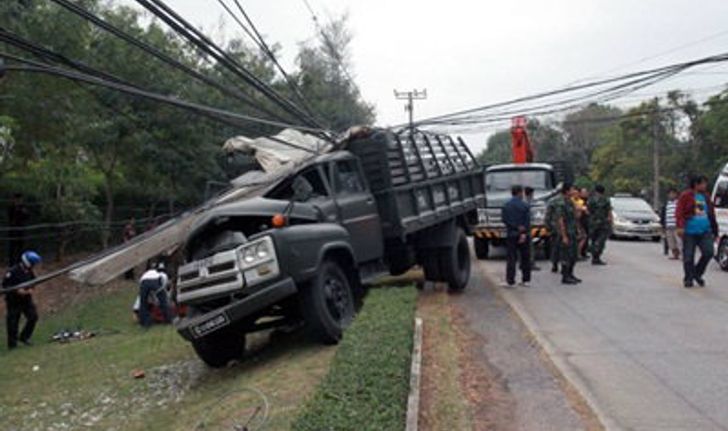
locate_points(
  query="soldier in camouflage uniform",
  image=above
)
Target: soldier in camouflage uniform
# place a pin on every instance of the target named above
(554, 237)
(566, 221)
(600, 223)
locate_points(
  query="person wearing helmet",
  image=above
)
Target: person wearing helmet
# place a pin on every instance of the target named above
(20, 302)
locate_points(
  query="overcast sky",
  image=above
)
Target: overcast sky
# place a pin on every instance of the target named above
(469, 53)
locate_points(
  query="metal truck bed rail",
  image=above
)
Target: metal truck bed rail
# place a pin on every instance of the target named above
(419, 180)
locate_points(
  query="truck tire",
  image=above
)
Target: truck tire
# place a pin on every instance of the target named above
(328, 303)
(455, 263)
(482, 248)
(220, 347)
(722, 254)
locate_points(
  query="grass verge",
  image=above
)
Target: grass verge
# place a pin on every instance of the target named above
(368, 382)
(88, 384)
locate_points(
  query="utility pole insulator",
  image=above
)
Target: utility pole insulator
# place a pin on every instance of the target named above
(410, 97)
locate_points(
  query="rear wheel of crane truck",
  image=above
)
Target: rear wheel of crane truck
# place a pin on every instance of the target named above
(482, 248)
(328, 303)
(220, 347)
(455, 262)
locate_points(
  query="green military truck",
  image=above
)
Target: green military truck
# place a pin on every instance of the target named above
(305, 248)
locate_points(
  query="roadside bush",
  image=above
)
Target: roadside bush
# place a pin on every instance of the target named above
(368, 382)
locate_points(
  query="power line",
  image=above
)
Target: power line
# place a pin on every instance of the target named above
(220, 114)
(256, 37)
(149, 49)
(189, 32)
(645, 75)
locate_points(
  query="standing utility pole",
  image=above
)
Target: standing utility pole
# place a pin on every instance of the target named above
(409, 96)
(655, 164)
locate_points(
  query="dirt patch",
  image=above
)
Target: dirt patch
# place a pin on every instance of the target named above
(459, 391)
(442, 405)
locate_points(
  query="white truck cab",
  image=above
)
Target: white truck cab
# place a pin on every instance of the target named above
(720, 199)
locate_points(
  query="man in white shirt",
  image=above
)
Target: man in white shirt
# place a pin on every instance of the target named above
(153, 283)
(669, 223)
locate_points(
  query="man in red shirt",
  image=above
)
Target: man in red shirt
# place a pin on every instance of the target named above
(697, 227)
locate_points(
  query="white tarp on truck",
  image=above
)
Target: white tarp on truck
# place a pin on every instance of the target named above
(278, 155)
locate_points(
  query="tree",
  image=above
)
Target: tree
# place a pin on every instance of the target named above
(326, 82)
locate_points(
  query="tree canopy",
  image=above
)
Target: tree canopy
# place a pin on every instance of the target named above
(79, 152)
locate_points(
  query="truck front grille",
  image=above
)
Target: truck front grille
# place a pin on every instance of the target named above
(213, 277)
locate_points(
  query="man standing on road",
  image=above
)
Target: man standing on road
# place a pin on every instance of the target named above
(516, 215)
(669, 223)
(20, 302)
(528, 191)
(554, 236)
(697, 227)
(600, 223)
(583, 225)
(567, 227)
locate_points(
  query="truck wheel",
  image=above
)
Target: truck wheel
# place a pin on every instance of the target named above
(482, 248)
(722, 255)
(221, 347)
(328, 304)
(455, 262)
(656, 238)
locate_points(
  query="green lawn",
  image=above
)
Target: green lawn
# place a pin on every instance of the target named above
(88, 384)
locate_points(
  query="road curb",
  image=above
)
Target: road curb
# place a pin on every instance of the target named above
(566, 370)
(413, 399)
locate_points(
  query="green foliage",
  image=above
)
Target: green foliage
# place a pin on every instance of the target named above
(111, 156)
(368, 383)
(498, 149)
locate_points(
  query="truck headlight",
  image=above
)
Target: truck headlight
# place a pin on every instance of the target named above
(258, 261)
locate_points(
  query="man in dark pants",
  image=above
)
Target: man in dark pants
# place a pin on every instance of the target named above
(516, 215)
(528, 197)
(153, 282)
(697, 227)
(20, 302)
(554, 236)
(566, 223)
(600, 223)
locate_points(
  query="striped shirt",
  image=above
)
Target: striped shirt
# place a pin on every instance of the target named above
(670, 221)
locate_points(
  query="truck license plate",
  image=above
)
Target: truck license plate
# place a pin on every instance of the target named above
(212, 324)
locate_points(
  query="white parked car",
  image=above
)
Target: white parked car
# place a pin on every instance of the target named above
(634, 218)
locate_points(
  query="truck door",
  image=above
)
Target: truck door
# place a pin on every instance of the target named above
(357, 210)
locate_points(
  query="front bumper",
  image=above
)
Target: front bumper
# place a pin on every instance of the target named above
(636, 231)
(497, 233)
(205, 324)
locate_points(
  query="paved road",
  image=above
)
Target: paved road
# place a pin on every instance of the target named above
(534, 394)
(645, 352)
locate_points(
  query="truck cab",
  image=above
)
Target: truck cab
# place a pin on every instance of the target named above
(499, 179)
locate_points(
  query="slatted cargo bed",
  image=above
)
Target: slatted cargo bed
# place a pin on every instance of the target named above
(419, 180)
